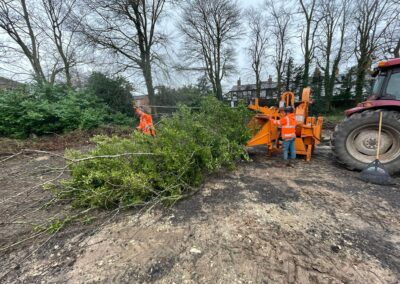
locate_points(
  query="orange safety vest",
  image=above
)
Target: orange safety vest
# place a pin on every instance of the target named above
(288, 125)
(146, 124)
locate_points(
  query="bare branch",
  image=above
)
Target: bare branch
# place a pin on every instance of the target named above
(258, 37)
(210, 28)
(128, 28)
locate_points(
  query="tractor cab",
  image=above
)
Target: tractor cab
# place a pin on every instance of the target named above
(386, 90)
(387, 82)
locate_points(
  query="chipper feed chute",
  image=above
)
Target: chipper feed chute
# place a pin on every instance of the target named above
(308, 129)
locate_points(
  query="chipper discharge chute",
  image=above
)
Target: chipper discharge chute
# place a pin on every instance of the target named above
(308, 129)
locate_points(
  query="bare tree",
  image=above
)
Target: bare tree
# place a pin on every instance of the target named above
(131, 30)
(309, 11)
(258, 38)
(391, 39)
(372, 20)
(333, 27)
(210, 28)
(39, 32)
(280, 19)
(58, 13)
(16, 22)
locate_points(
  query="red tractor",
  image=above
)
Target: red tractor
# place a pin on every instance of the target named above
(355, 139)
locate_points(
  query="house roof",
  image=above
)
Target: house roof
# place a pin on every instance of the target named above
(250, 87)
(8, 83)
(141, 97)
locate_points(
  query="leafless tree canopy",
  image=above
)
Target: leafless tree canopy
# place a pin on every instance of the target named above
(308, 8)
(58, 17)
(279, 21)
(16, 21)
(334, 15)
(258, 39)
(48, 39)
(372, 20)
(41, 32)
(211, 28)
(131, 30)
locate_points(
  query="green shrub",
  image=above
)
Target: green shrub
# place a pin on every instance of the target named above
(44, 110)
(116, 93)
(118, 118)
(188, 145)
(186, 95)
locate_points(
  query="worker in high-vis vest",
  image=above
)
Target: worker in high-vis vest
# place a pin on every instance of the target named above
(288, 132)
(146, 122)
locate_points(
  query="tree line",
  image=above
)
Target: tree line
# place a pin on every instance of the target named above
(330, 33)
(58, 38)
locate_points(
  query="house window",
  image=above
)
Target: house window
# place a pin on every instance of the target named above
(393, 86)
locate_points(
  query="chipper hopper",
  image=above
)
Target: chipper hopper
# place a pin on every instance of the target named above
(308, 129)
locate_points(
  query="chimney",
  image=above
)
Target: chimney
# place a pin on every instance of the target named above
(270, 80)
(317, 72)
(238, 82)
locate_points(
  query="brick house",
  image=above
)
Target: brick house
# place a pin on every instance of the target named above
(248, 91)
(143, 102)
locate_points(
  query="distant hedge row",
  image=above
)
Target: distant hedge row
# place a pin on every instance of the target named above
(53, 109)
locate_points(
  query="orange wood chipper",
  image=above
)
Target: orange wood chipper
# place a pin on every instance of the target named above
(308, 129)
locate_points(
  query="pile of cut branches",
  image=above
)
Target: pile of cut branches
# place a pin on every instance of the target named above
(138, 170)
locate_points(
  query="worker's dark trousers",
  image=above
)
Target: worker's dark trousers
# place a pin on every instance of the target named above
(288, 145)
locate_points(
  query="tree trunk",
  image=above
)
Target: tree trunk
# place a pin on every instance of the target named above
(219, 89)
(210, 74)
(361, 71)
(39, 75)
(68, 75)
(307, 53)
(65, 61)
(306, 70)
(149, 82)
(278, 86)
(327, 87)
(331, 87)
(258, 85)
(289, 74)
(37, 69)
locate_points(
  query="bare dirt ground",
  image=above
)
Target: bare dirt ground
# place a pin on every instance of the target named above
(315, 223)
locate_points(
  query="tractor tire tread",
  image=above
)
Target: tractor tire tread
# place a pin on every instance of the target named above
(342, 130)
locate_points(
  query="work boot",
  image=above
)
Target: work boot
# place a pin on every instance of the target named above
(290, 164)
(281, 165)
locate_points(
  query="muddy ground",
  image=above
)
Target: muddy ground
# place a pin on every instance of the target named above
(314, 223)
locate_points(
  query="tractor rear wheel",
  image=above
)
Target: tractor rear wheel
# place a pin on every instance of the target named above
(355, 142)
